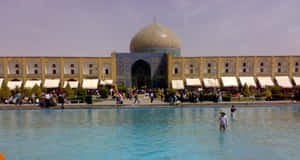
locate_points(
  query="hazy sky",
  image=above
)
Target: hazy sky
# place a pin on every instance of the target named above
(99, 27)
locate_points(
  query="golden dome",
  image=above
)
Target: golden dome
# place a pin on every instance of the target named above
(154, 36)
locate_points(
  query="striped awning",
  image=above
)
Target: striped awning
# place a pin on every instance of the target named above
(177, 84)
(51, 83)
(32, 83)
(229, 82)
(14, 84)
(297, 81)
(73, 84)
(106, 82)
(265, 81)
(284, 81)
(193, 82)
(248, 80)
(90, 84)
(211, 82)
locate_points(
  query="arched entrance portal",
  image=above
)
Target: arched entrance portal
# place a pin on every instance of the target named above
(141, 74)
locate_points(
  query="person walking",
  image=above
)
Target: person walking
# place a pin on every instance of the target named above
(18, 98)
(121, 98)
(118, 98)
(151, 97)
(33, 98)
(47, 99)
(232, 110)
(136, 98)
(61, 100)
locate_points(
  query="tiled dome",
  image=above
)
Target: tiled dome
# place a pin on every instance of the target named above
(155, 38)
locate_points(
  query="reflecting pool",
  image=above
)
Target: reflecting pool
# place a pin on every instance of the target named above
(147, 134)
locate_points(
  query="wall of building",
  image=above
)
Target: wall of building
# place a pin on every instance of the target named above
(181, 68)
(63, 68)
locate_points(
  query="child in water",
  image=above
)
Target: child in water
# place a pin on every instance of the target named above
(223, 120)
(232, 110)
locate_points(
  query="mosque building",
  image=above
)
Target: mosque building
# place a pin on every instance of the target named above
(154, 61)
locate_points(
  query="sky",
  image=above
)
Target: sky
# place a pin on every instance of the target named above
(96, 28)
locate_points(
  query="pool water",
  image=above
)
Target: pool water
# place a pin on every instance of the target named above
(150, 134)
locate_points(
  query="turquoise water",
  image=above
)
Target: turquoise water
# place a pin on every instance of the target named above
(148, 134)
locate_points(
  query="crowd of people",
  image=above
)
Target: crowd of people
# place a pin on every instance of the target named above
(148, 95)
(47, 99)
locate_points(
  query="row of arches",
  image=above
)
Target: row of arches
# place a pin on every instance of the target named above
(53, 68)
(229, 67)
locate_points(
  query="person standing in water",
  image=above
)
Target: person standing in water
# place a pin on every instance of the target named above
(232, 110)
(223, 121)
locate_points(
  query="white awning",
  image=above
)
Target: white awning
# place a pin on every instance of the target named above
(1, 81)
(90, 83)
(265, 81)
(297, 81)
(284, 81)
(229, 82)
(13, 84)
(73, 84)
(32, 83)
(211, 82)
(248, 80)
(51, 83)
(177, 84)
(193, 82)
(106, 82)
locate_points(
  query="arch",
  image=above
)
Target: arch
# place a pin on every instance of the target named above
(141, 74)
(176, 68)
(281, 66)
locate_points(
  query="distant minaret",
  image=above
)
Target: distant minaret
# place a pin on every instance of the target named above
(154, 20)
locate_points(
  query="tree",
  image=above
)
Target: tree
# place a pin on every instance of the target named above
(5, 92)
(267, 92)
(36, 90)
(103, 92)
(80, 92)
(27, 92)
(122, 89)
(171, 92)
(246, 91)
(17, 89)
(69, 90)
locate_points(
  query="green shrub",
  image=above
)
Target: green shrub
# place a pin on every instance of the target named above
(80, 99)
(80, 92)
(123, 89)
(88, 99)
(17, 89)
(288, 96)
(276, 93)
(246, 91)
(259, 95)
(276, 90)
(226, 98)
(171, 92)
(104, 92)
(277, 97)
(27, 92)
(211, 97)
(267, 92)
(69, 91)
(36, 90)
(4, 91)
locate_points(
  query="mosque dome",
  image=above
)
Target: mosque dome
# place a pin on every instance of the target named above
(155, 38)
